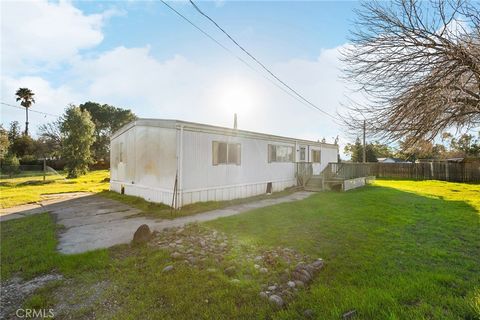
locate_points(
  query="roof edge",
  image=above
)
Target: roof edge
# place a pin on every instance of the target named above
(194, 126)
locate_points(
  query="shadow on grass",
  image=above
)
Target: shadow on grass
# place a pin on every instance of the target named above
(389, 253)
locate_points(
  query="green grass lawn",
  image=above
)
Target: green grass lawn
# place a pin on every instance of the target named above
(17, 191)
(393, 250)
(30, 187)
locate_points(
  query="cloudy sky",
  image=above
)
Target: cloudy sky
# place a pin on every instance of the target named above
(141, 55)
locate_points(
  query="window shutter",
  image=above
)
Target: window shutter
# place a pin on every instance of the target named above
(239, 154)
(215, 153)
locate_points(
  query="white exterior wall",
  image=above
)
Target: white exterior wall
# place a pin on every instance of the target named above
(154, 149)
(149, 163)
(203, 181)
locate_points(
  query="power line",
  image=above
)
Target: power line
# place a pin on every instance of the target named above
(230, 51)
(245, 62)
(259, 62)
(30, 110)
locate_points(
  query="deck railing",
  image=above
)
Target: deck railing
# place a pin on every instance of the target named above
(303, 172)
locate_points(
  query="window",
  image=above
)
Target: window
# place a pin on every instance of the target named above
(316, 156)
(280, 153)
(226, 153)
(302, 153)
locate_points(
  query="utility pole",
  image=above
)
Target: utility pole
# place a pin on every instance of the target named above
(364, 149)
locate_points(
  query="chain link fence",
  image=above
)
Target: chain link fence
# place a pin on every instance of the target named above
(30, 172)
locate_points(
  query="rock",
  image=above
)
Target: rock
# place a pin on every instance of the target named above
(256, 266)
(258, 258)
(235, 281)
(142, 235)
(308, 313)
(291, 284)
(230, 271)
(263, 295)
(272, 288)
(284, 277)
(167, 269)
(350, 314)
(211, 270)
(180, 241)
(299, 284)
(317, 264)
(277, 300)
(286, 294)
(176, 255)
(302, 275)
(263, 270)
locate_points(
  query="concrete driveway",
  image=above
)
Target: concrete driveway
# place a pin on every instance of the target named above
(93, 222)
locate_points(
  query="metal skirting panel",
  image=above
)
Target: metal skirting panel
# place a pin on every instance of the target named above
(147, 193)
(234, 192)
(211, 194)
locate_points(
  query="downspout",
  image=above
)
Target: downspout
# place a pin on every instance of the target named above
(180, 169)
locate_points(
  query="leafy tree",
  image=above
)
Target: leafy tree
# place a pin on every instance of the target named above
(14, 130)
(50, 139)
(467, 145)
(107, 119)
(356, 151)
(77, 129)
(19, 145)
(420, 149)
(25, 95)
(4, 142)
(381, 150)
(22, 146)
(11, 164)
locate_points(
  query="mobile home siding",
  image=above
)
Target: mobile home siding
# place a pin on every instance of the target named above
(204, 181)
(148, 154)
(149, 163)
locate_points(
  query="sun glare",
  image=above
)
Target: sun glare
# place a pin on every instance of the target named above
(236, 95)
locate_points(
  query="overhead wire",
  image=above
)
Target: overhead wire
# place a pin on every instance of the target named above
(230, 51)
(30, 110)
(294, 95)
(260, 63)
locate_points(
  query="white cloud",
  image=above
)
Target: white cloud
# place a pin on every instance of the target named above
(35, 33)
(181, 89)
(52, 100)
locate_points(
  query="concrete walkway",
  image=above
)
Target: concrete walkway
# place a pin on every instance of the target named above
(93, 222)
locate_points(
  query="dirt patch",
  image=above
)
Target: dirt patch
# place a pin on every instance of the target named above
(78, 300)
(15, 291)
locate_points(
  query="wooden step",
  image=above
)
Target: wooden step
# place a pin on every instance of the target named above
(313, 189)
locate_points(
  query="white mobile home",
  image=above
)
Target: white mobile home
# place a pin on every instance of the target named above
(162, 160)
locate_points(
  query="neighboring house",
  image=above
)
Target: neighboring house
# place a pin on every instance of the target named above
(157, 159)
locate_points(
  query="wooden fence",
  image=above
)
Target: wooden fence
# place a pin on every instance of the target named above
(447, 171)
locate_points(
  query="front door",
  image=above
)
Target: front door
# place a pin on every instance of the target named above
(303, 154)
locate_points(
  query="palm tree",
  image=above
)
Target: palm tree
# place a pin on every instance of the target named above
(26, 95)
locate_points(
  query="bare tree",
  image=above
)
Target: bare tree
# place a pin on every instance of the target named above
(418, 65)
